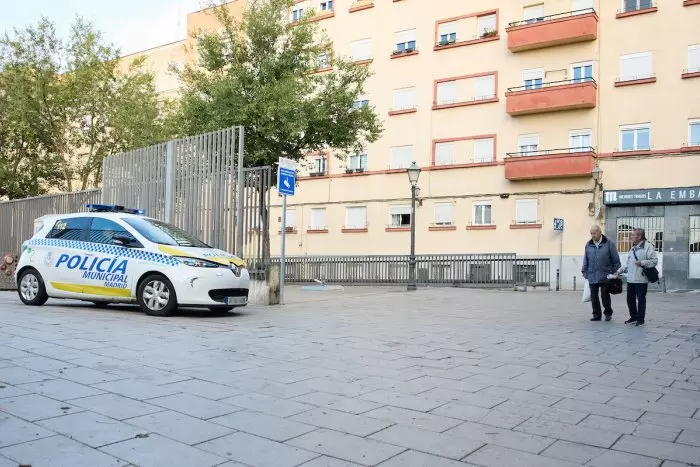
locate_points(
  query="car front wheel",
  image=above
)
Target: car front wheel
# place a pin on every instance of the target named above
(156, 296)
(31, 288)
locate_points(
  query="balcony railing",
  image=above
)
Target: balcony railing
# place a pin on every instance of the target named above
(547, 152)
(552, 84)
(541, 19)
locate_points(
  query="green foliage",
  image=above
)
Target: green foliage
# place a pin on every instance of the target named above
(260, 73)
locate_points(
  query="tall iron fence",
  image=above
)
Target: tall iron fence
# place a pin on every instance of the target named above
(477, 270)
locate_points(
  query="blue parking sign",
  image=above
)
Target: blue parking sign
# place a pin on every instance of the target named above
(559, 224)
(286, 181)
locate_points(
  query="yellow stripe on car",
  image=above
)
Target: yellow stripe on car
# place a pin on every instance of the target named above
(91, 289)
(223, 260)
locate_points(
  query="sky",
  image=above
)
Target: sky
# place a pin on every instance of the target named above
(132, 25)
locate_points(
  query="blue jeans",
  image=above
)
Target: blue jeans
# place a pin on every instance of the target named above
(637, 300)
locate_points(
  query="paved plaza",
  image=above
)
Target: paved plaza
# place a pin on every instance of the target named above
(441, 377)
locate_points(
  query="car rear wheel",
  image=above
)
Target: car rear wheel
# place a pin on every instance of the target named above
(31, 288)
(156, 296)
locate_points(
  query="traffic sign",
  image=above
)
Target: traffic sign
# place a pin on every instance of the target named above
(286, 176)
(558, 224)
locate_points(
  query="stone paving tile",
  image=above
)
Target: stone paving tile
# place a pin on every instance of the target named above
(572, 452)
(623, 459)
(268, 404)
(344, 404)
(9, 353)
(663, 433)
(667, 420)
(420, 459)
(61, 389)
(267, 426)
(651, 406)
(18, 375)
(689, 437)
(157, 451)
(194, 406)
(325, 461)
(599, 409)
(658, 449)
(503, 419)
(498, 456)
(136, 389)
(347, 447)
(116, 406)
(609, 424)
(38, 363)
(256, 451)
(461, 411)
(414, 418)
(539, 411)
(576, 434)
(427, 441)
(84, 375)
(14, 431)
(35, 407)
(7, 390)
(5, 462)
(203, 389)
(180, 427)
(478, 400)
(58, 451)
(405, 401)
(498, 436)
(358, 425)
(91, 428)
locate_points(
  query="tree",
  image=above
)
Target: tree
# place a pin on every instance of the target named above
(72, 104)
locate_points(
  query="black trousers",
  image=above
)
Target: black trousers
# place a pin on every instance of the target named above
(604, 296)
(637, 300)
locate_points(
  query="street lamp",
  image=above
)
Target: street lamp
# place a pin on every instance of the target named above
(413, 174)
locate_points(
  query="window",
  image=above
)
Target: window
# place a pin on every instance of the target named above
(578, 5)
(356, 217)
(581, 72)
(486, 25)
(444, 153)
(633, 5)
(443, 214)
(526, 211)
(323, 60)
(400, 216)
(653, 229)
(485, 88)
(163, 233)
(694, 248)
(448, 33)
(361, 50)
(104, 230)
(694, 58)
(635, 137)
(636, 66)
(447, 92)
(529, 143)
(534, 13)
(483, 150)
(694, 132)
(358, 162)
(580, 141)
(318, 165)
(318, 219)
(297, 14)
(405, 41)
(326, 6)
(482, 213)
(362, 101)
(73, 228)
(532, 79)
(404, 99)
(291, 220)
(401, 157)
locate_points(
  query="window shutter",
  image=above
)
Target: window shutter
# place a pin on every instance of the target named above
(526, 211)
(533, 12)
(485, 87)
(581, 5)
(404, 98)
(399, 210)
(486, 24)
(362, 49)
(356, 218)
(401, 157)
(291, 218)
(448, 28)
(443, 213)
(318, 219)
(529, 140)
(635, 66)
(447, 92)
(405, 36)
(483, 150)
(533, 74)
(444, 153)
(694, 57)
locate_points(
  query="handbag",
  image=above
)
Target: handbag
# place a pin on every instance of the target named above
(652, 274)
(615, 286)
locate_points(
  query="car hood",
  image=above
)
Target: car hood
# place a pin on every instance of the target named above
(209, 254)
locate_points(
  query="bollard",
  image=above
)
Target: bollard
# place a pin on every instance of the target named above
(557, 280)
(574, 283)
(663, 284)
(525, 288)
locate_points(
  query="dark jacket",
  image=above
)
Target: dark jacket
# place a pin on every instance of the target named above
(599, 261)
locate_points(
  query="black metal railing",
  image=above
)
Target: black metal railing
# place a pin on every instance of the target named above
(545, 152)
(499, 270)
(541, 19)
(552, 84)
(641, 6)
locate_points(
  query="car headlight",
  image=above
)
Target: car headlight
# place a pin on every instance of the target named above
(197, 263)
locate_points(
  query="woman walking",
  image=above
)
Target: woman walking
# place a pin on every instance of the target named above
(641, 255)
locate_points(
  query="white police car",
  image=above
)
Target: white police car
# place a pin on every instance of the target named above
(117, 255)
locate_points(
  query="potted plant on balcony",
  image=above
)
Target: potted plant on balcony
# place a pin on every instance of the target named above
(489, 33)
(360, 169)
(348, 170)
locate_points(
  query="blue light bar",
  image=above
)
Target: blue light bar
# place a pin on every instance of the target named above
(113, 208)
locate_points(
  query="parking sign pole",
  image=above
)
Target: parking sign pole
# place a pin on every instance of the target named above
(284, 238)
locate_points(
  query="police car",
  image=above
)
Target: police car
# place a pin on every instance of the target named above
(116, 255)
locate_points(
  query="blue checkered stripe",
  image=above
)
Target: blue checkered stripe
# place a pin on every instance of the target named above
(133, 253)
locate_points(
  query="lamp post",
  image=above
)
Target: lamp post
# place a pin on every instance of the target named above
(413, 174)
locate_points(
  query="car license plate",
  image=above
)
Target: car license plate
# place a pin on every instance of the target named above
(236, 300)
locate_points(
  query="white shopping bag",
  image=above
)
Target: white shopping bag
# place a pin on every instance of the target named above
(586, 293)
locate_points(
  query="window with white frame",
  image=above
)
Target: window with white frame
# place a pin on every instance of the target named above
(444, 153)
(485, 87)
(581, 72)
(318, 219)
(291, 220)
(404, 99)
(357, 162)
(399, 216)
(318, 165)
(694, 58)
(444, 214)
(635, 137)
(636, 66)
(634, 5)
(483, 150)
(361, 50)
(447, 92)
(297, 14)
(532, 79)
(356, 217)
(405, 41)
(326, 5)
(447, 33)
(486, 25)
(360, 102)
(579, 5)
(481, 213)
(401, 157)
(526, 211)
(323, 60)
(534, 13)
(694, 132)
(580, 140)
(529, 143)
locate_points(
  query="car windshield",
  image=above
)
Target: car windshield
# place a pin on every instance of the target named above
(162, 233)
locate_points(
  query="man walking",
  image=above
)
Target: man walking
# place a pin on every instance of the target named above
(600, 259)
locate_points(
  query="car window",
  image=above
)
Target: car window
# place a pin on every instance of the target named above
(104, 231)
(163, 233)
(72, 228)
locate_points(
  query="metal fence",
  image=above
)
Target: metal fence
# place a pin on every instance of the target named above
(476, 270)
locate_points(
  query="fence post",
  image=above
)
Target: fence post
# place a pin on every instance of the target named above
(240, 187)
(169, 180)
(574, 283)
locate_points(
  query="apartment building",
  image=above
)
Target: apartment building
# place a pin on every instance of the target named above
(517, 112)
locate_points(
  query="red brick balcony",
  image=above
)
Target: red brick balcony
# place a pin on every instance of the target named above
(552, 97)
(553, 30)
(553, 163)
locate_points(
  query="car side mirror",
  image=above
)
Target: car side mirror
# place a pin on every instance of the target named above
(121, 240)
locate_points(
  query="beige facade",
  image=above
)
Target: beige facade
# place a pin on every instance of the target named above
(507, 106)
